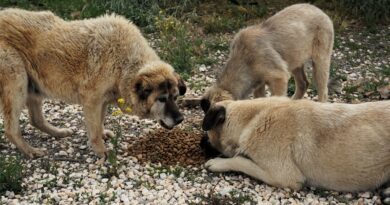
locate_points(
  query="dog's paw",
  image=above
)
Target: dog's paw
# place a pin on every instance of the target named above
(108, 134)
(35, 153)
(99, 148)
(63, 132)
(217, 165)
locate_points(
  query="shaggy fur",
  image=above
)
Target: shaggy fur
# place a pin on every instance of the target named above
(266, 54)
(290, 143)
(89, 62)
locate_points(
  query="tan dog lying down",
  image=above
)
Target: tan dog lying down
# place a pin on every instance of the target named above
(266, 54)
(289, 143)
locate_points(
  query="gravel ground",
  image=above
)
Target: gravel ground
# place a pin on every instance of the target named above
(70, 173)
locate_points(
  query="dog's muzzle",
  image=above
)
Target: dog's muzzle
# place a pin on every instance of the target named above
(207, 148)
(177, 120)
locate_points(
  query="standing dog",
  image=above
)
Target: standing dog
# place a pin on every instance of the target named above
(266, 54)
(90, 62)
(289, 143)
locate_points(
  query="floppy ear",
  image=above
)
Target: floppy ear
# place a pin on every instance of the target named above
(181, 84)
(214, 116)
(205, 104)
(141, 89)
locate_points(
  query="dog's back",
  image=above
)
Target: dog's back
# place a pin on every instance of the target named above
(19, 27)
(345, 147)
(287, 28)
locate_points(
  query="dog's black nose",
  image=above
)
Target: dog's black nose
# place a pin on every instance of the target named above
(179, 119)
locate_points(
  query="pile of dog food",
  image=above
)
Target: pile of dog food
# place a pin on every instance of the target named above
(170, 147)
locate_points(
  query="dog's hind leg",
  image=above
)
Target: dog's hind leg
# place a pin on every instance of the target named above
(322, 50)
(247, 166)
(34, 104)
(13, 96)
(301, 83)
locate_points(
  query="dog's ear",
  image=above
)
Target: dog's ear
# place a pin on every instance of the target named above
(181, 84)
(205, 104)
(214, 116)
(141, 88)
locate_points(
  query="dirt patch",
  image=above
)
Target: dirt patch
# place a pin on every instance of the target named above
(170, 147)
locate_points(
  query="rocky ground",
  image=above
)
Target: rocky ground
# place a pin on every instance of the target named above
(70, 174)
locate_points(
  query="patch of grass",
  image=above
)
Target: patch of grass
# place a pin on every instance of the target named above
(349, 90)
(371, 12)
(66, 9)
(224, 16)
(221, 24)
(140, 12)
(102, 198)
(11, 174)
(175, 43)
(384, 71)
(218, 43)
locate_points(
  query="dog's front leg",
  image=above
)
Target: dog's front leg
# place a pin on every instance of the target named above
(107, 134)
(93, 111)
(247, 166)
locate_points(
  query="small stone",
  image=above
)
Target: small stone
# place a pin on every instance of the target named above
(163, 176)
(202, 68)
(366, 195)
(70, 150)
(62, 153)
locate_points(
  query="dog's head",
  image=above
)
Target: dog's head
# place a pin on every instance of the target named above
(213, 123)
(222, 131)
(213, 95)
(154, 91)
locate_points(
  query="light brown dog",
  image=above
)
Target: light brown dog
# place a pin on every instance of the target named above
(290, 143)
(90, 62)
(266, 54)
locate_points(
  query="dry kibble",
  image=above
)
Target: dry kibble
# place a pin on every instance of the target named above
(168, 147)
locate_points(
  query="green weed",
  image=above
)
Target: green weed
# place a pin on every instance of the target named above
(175, 43)
(113, 153)
(11, 174)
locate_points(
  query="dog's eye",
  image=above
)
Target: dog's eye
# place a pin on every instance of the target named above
(162, 99)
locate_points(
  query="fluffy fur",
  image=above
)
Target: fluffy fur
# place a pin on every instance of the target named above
(266, 54)
(89, 62)
(290, 143)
